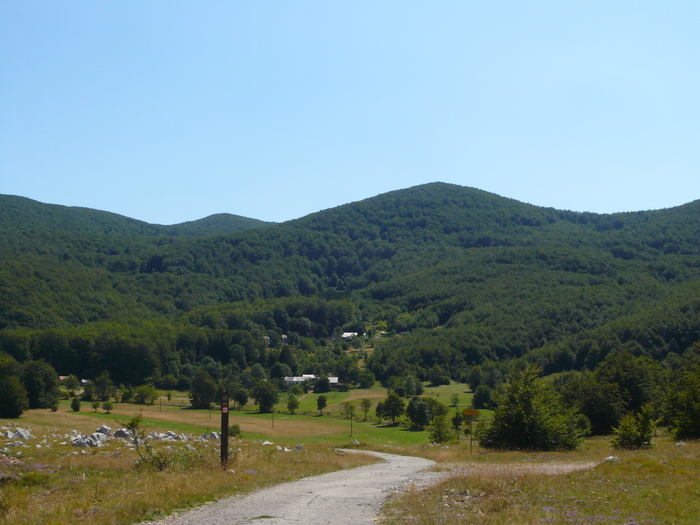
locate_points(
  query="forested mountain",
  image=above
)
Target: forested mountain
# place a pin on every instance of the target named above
(455, 276)
(26, 215)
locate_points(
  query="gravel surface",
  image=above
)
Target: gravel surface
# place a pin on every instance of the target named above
(352, 496)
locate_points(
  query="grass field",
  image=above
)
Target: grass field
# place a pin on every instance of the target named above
(56, 483)
(656, 486)
(59, 484)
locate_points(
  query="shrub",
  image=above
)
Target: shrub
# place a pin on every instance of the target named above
(439, 430)
(75, 404)
(234, 431)
(684, 405)
(636, 430)
(530, 416)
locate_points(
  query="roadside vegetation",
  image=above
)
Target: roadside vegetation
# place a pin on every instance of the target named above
(60, 484)
(653, 486)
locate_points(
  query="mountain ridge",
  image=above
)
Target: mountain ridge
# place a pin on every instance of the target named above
(459, 275)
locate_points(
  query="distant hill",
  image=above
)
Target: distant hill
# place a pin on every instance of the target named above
(458, 276)
(20, 213)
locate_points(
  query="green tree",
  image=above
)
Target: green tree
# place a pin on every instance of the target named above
(438, 376)
(71, 383)
(239, 395)
(266, 396)
(365, 405)
(323, 385)
(419, 413)
(683, 404)
(292, 403)
(530, 416)
(204, 390)
(103, 386)
(348, 410)
(145, 395)
(366, 379)
(41, 383)
(75, 404)
(393, 407)
(13, 397)
(454, 400)
(107, 406)
(482, 398)
(321, 403)
(475, 377)
(636, 430)
(439, 430)
(95, 405)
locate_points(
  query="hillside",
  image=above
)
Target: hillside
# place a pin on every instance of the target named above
(22, 214)
(461, 276)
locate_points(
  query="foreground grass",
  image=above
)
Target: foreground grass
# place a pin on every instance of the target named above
(657, 486)
(58, 484)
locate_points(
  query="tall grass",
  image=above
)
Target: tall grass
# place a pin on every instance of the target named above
(59, 484)
(657, 486)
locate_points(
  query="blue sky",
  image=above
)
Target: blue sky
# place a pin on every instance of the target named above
(170, 111)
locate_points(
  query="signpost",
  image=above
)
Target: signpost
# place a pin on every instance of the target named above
(471, 415)
(224, 429)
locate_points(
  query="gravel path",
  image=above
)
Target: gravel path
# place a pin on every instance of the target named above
(345, 497)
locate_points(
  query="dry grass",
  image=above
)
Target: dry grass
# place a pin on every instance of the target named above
(657, 486)
(60, 484)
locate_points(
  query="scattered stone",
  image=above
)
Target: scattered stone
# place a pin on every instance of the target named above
(612, 458)
(190, 447)
(267, 443)
(104, 429)
(279, 448)
(97, 436)
(299, 448)
(355, 442)
(86, 441)
(5, 451)
(680, 444)
(122, 433)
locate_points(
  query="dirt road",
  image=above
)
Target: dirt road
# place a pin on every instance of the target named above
(345, 497)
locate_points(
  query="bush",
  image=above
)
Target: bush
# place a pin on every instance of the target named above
(151, 458)
(75, 404)
(234, 431)
(684, 405)
(636, 430)
(530, 416)
(439, 430)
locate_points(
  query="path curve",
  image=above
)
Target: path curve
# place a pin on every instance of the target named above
(353, 496)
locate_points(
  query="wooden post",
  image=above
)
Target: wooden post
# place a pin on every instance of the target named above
(224, 429)
(471, 414)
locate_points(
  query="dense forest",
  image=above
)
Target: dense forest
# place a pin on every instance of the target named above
(436, 278)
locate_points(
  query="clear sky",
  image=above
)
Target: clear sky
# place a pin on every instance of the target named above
(170, 111)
